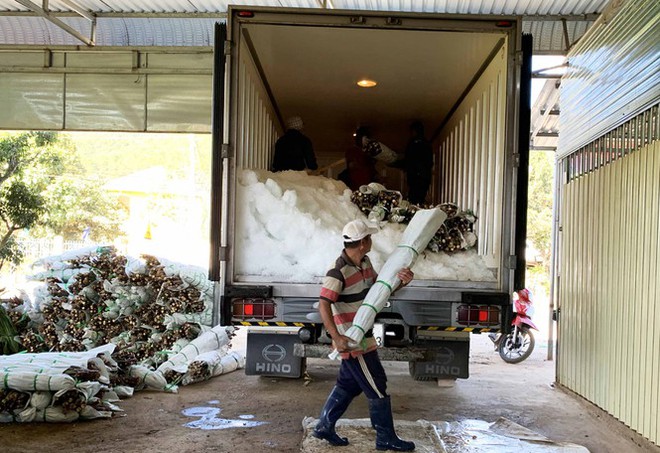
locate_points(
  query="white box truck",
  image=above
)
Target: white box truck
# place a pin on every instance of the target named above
(466, 77)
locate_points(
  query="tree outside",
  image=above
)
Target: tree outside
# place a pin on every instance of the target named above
(44, 193)
(539, 231)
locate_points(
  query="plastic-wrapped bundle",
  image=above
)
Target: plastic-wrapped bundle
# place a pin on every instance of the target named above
(41, 400)
(55, 414)
(208, 341)
(379, 151)
(211, 364)
(61, 274)
(415, 238)
(31, 381)
(50, 261)
(56, 360)
(230, 362)
(151, 379)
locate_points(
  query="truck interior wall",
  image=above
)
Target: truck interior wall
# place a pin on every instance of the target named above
(258, 127)
(472, 152)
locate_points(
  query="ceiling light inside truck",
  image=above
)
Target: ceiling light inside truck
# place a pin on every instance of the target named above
(366, 83)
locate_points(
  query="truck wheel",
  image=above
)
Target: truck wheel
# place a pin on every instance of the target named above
(412, 368)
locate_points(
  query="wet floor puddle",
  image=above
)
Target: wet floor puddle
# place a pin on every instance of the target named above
(208, 418)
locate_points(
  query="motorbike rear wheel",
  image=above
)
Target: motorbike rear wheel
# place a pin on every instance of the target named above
(515, 350)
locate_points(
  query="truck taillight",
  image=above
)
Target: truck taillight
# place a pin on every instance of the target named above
(260, 309)
(478, 315)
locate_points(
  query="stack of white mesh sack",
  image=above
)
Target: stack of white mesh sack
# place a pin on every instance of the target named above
(41, 390)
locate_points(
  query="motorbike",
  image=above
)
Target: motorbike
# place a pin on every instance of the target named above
(518, 344)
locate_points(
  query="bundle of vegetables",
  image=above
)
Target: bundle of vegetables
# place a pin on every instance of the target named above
(206, 356)
(147, 306)
(55, 387)
(382, 205)
(141, 311)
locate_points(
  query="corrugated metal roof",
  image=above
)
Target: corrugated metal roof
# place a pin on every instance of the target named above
(133, 31)
(137, 32)
(189, 22)
(509, 7)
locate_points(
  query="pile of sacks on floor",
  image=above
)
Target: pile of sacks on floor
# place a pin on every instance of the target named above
(102, 325)
(382, 205)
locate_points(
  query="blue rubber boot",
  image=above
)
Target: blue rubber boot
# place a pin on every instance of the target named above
(335, 406)
(380, 410)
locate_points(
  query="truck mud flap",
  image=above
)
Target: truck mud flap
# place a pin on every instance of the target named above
(447, 359)
(271, 354)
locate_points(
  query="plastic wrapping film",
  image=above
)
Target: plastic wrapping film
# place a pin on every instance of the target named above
(208, 341)
(415, 238)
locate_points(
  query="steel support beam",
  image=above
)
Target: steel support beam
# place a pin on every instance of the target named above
(46, 14)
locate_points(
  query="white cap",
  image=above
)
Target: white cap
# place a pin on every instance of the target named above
(356, 230)
(295, 122)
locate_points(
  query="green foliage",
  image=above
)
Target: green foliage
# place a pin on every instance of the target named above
(41, 189)
(539, 211)
(82, 204)
(538, 280)
(8, 344)
(21, 203)
(11, 252)
(25, 161)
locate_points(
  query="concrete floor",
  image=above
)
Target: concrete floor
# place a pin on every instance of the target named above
(255, 414)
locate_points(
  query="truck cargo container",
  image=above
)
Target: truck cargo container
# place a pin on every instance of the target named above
(466, 77)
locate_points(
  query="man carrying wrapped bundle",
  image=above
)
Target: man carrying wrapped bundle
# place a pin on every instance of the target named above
(344, 289)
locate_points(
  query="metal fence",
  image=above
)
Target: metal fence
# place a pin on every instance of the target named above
(39, 248)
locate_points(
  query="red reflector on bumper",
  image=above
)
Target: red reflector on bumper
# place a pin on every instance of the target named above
(260, 309)
(478, 315)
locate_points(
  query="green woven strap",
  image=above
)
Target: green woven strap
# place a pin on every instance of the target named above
(403, 246)
(370, 306)
(363, 332)
(385, 283)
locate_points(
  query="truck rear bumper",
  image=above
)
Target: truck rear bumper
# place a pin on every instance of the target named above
(319, 351)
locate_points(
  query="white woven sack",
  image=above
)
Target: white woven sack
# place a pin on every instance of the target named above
(151, 379)
(230, 362)
(55, 360)
(32, 381)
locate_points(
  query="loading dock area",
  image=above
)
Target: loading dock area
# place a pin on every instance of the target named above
(603, 390)
(153, 421)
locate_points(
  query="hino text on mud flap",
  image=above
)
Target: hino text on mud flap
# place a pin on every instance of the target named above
(271, 354)
(446, 359)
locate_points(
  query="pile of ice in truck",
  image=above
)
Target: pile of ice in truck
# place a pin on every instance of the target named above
(289, 229)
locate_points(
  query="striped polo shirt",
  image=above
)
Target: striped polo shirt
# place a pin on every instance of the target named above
(345, 287)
